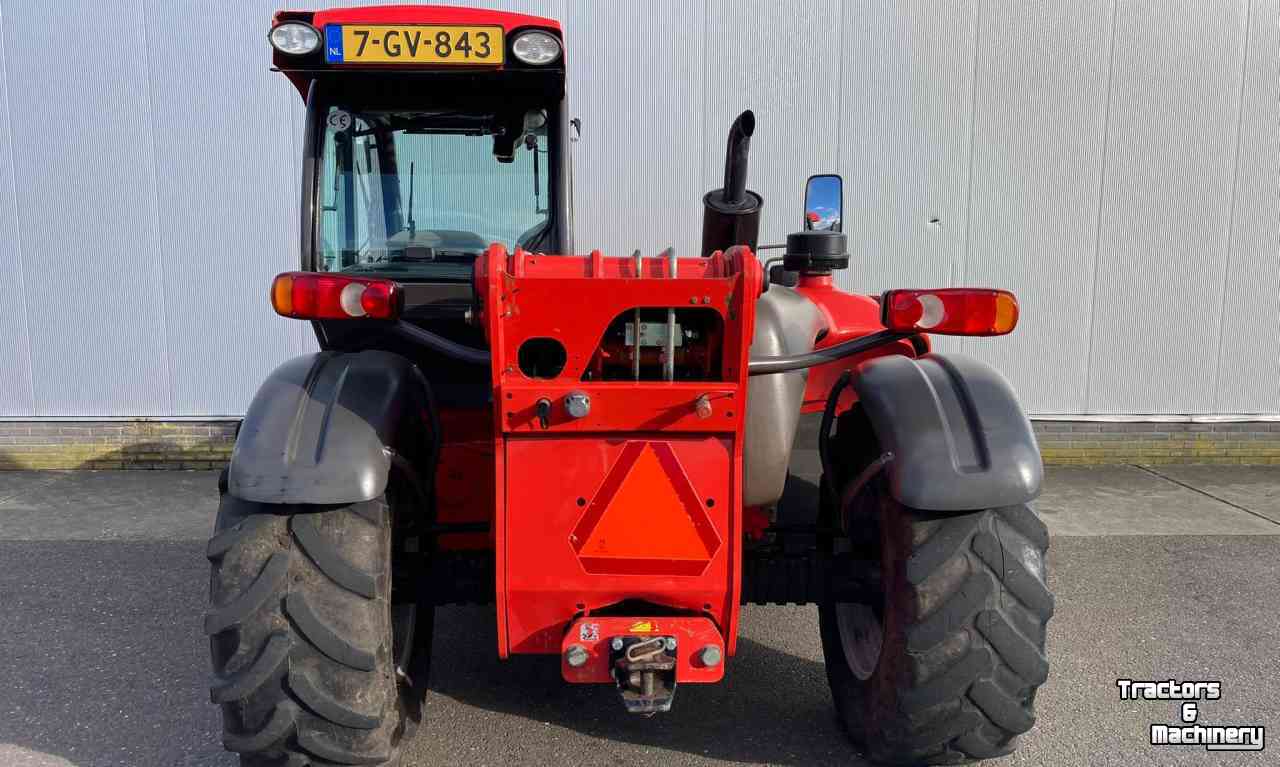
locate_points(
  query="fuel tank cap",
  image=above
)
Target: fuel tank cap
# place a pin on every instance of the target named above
(816, 251)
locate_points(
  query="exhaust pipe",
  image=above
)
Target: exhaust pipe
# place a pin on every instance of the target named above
(735, 158)
(731, 214)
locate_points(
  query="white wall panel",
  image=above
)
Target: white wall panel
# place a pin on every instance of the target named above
(1123, 178)
(82, 146)
(228, 197)
(1166, 202)
(636, 80)
(16, 396)
(1248, 364)
(16, 380)
(782, 61)
(1039, 119)
(906, 96)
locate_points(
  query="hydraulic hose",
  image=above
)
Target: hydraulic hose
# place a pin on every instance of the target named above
(766, 365)
(441, 344)
(842, 500)
(756, 367)
(824, 434)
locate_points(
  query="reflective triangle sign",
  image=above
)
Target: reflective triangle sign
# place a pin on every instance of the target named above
(646, 518)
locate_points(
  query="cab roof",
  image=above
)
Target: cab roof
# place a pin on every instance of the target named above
(301, 70)
(424, 14)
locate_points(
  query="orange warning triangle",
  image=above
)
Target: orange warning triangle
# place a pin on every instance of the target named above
(646, 518)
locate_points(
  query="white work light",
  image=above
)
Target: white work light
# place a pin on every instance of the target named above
(295, 38)
(535, 47)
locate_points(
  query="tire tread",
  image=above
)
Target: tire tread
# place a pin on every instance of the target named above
(268, 584)
(248, 680)
(288, 678)
(328, 560)
(972, 607)
(326, 638)
(988, 540)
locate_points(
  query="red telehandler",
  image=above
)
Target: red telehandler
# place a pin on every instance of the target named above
(598, 446)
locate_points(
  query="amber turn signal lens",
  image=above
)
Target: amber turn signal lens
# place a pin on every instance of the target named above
(1006, 313)
(950, 311)
(282, 295)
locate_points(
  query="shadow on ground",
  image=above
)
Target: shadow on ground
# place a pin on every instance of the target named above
(105, 663)
(64, 505)
(102, 658)
(773, 707)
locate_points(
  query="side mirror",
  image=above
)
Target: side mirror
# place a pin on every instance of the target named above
(824, 203)
(575, 129)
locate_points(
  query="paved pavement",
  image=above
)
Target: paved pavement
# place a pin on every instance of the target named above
(1171, 572)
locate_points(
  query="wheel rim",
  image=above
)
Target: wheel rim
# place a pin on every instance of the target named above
(404, 606)
(861, 637)
(404, 619)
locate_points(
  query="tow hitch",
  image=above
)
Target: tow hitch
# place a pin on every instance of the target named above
(645, 670)
(643, 657)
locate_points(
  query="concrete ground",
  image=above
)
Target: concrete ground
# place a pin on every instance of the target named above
(1159, 573)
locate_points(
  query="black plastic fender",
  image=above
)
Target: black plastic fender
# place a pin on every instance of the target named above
(325, 428)
(958, 436)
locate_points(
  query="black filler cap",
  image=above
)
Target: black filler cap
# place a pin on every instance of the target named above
(816, 251)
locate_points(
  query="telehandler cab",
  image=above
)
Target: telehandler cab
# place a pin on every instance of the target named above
(598, 446)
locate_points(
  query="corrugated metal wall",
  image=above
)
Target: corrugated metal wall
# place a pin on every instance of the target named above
(1116, 163)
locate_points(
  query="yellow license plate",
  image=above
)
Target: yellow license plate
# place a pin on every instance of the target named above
(413, 44)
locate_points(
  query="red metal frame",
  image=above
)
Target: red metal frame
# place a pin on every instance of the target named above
(848, 316)
(555, 483)
(594, 634)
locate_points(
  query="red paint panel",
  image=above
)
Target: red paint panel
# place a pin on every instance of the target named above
(545, 477)
(464, 476)
(565, 298)
(848, 316)
(646, 519)
(623, 406)
(593, 633)
(431, 14)
(620, 471)
(546, 580)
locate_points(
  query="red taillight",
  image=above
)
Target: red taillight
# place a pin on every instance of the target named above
(317, 296)
(950, 311)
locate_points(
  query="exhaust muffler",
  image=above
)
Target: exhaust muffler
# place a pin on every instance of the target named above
(731, 215)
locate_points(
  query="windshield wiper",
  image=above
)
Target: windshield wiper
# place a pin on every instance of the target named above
(413, 226)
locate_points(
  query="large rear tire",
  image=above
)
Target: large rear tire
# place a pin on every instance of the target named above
(313, 663)
(944, 666)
